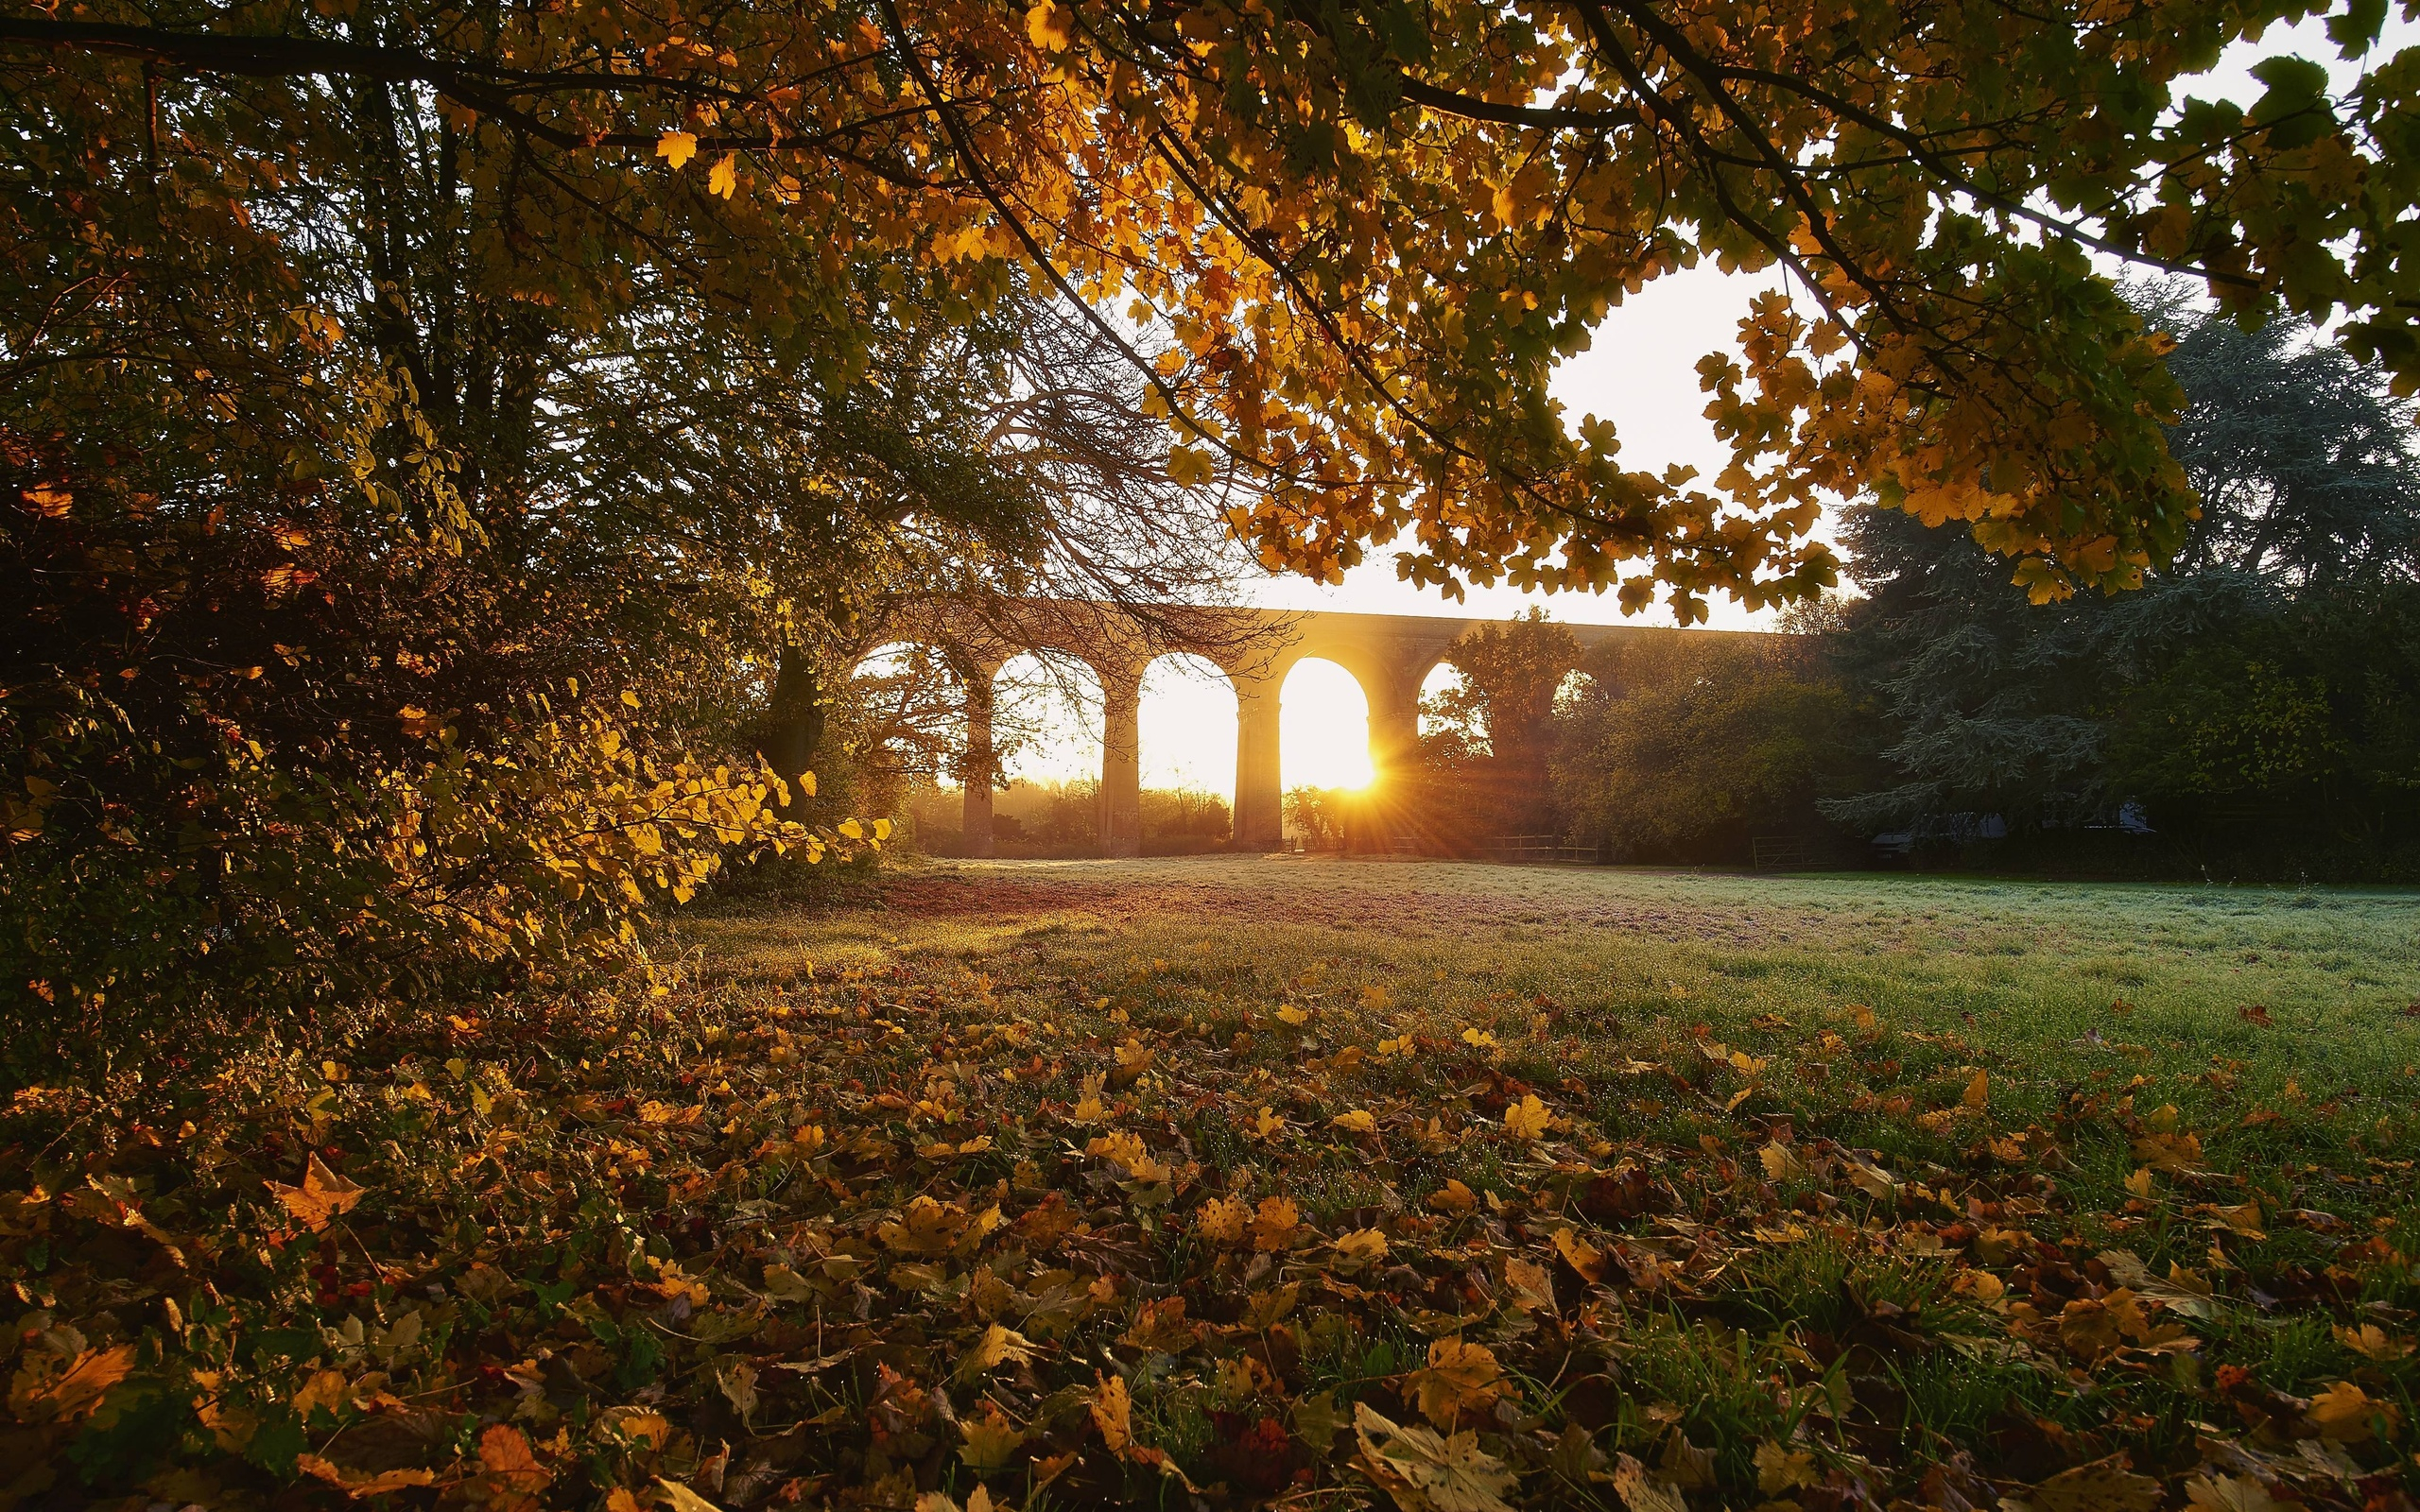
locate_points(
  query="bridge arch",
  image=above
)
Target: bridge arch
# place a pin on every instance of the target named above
(1389, 656)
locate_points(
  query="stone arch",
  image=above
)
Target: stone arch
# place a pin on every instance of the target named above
(1313, 712)
(1442, 675)
(1198, 694)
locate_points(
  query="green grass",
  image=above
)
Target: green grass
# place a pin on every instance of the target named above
(2078, 984)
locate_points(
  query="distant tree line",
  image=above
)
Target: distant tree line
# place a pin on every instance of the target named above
(2252, 710)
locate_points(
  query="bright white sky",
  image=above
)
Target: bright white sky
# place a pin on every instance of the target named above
(1640, 373)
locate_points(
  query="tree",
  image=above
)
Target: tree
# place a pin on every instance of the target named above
(2267, 673)
(1484, 740)
(1687, 751)
(1366, 235)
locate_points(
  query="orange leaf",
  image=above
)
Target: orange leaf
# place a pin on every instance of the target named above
(323, 1196)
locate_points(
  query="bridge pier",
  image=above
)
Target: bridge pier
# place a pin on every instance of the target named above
(1260, 798)
(1121, 763)
(975, 778)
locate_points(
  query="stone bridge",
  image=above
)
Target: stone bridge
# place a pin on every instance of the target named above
(1389, 655)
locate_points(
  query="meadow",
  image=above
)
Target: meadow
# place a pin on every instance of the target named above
(1231, 1182)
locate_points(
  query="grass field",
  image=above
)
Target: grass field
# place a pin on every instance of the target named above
(1234, 1182)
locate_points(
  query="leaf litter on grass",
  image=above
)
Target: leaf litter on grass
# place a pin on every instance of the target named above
(916, 1237)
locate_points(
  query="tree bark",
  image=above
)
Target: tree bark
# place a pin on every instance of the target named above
(793, 728)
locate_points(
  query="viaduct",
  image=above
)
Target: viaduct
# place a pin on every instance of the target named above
(1389, 655)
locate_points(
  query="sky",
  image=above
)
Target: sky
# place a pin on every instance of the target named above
(1640, 373)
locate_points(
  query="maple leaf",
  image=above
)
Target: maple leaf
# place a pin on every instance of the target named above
(1425, 1472)
(1273, 1225)
(1223, 1221)
(1111, 1408)
(2102, 1485)
(991, 1441)
(1532, 1284)
(1453, 1198)
(323, 1196)
(2229, 1493)
(1459, 1378)
(1581, 1255)
(1358, 1249)
(1781, 1163)
(680, 1498)
(724, 181)
(1051, 27)
(2344, 1414)
(1358, 1121)
(1642, 1492)
(2371, 1340)
(677, 147)
(1528, 1119)
(44, 1391)
(999, 1346)
(1977, 1095)
(1780, 1469)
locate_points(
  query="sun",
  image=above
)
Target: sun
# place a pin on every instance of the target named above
(1323, 728)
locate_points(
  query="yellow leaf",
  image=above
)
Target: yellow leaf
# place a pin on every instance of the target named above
(1453, 1198)
(2103, 1485)
(1426, 1472)
(1111, 1406)
(1223, 1221)
(1358, 1249)
(1533, 1285)
(725, 176)
(1479, 1039)
(1359, 1120)
(999, 1346)
(323, 1196)
(676, 147)
(2229, 1493)
(1527, 1119)
(376, 1483)
(991, 1442)
(2373, 1341)
(1978, 1094)
(2140, 1182)
(678, 1498)
(1641, 1492)
(1051, 27)
(1274, 1224)
(1290, 1014)
(2347, 1414)
(1459, 1378)
(1780, 1469)
(1581, 1255)
(1188, 467)
(38, 1395)
(324, 1389)
(1781, 1163)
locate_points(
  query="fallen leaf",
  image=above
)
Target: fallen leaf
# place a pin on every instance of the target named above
(1459, 1377)
(1528, 1119)
(1110, 1410)
(1425, 1472)
(2102, 1485)
(1642, 1492)
(323, 1196)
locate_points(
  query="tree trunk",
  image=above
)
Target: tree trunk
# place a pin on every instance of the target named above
(793, 729)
